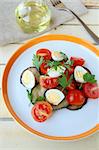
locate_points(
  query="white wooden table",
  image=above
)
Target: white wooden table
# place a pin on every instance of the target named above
(13, 136)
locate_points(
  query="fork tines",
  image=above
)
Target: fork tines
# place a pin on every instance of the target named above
(55, 2)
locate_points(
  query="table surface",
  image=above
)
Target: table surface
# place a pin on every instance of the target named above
(12, 135)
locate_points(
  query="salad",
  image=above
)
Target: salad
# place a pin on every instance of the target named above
(55, 82)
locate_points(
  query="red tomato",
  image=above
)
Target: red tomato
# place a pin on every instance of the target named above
(41, 111)
(91, 90)
(75, 97)
(43, 68)
(77, 61)
(44, 53)
(48, 82)
(71, 86)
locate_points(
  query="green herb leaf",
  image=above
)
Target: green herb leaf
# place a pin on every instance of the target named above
(70, 80)
(71, 62)
(40, 98)
(53, 64)
(64, 56)
(80, 87)
(68, 63)
(63, 81)
(89, 78)
(30, 95)
(37, 61)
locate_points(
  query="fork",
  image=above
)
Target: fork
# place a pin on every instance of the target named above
(60, 6)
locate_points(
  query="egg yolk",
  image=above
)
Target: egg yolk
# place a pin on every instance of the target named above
(26, 77)
(53, 97)
(79, 74)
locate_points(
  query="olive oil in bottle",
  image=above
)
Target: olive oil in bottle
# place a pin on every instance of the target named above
(33, 16)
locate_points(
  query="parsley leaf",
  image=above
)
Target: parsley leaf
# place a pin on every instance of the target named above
(89, 78)
(63, 81)
(37, 61)
(68, 63)
(80, 87)
(53, 64)
(30, 96)
(40, 98)
(64, 56)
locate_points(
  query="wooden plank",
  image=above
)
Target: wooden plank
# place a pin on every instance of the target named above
(1, 73)
(15, 137)
(91, 18)
(91, 3)
(7, 51)
(4, 113)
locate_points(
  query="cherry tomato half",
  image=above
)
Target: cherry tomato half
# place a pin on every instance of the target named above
(48, 82)
(44, 53)
(91, 90)
(77, 61)
(75, 97)
(44, 68)
(41, 111)
(71, 86)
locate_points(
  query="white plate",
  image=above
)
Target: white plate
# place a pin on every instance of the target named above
(64, 124)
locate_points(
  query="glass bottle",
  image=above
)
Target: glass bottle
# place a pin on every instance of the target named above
(33, 15)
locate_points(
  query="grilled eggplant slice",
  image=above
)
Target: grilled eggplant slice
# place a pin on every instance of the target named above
(63, 104)
(37, 92)
(74, 107)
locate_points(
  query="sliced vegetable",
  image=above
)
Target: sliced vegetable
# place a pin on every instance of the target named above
(91, 90)
(61, 105)
(74, 107)
(44, 68)
(54, 96)
(41, 111)
(45, 53)
(75, 97)
(71, 86)
(77, 61)
(48, 82)
(37, 92)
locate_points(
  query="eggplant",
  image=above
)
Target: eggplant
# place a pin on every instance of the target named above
(37, 92)
(74, 107)
(63, 104)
